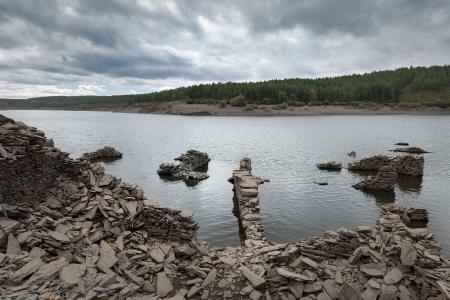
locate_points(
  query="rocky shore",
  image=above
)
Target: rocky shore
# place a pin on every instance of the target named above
(70, 231)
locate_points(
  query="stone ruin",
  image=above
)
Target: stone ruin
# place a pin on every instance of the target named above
(383, 181)
(192, 167)
(85, 234)
(388, 169)
(106, 154)
(246, 203)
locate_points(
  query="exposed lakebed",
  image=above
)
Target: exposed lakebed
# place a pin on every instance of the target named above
(283, 149)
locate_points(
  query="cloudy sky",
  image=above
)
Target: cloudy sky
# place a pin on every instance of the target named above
(103, 47)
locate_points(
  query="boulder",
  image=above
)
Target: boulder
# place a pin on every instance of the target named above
(330, 166)
(192, 167)
(107, 154)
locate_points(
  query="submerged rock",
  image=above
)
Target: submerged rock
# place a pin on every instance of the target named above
(412, 150)
(403, 164)
(402, 144)
(192, 167)
(330, 166)
(106, 154)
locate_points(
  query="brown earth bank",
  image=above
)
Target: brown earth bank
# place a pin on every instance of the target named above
(181, 108)
(68, 230)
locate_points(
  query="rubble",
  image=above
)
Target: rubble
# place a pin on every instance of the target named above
(78, 239)
(192, 167)
(330, 166)
(106, 154)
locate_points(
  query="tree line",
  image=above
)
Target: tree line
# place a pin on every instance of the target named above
(378, 87)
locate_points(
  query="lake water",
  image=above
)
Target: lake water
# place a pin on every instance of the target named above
(283, 149)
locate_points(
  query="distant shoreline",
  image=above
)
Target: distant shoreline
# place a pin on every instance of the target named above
(261, 110)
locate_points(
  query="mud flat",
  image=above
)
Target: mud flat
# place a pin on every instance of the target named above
(68, 230)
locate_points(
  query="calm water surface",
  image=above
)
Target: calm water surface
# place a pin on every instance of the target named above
(283, 149)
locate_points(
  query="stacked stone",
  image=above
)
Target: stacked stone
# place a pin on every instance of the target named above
(247, 203)
(370, 164)
(383, 181)
(409, 165)
(28, 166)
(107, 154)
(404, 164)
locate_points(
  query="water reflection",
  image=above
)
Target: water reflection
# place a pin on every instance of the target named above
(381, 197)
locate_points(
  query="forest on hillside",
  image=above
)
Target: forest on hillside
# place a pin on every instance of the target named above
(376, 87)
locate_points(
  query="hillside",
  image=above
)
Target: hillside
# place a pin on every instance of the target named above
(412, 86)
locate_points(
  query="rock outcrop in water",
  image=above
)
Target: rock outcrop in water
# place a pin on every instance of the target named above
(404, 164)
(192, 167)
(79, 233)
(383, 181)
(330, 166)
(107, 154)
(412, 150)
(387, 170)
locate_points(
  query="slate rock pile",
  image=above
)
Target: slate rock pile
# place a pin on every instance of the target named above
(390, 261)
(91, 236)
(29, 163)
(193, 165)
(107, 154)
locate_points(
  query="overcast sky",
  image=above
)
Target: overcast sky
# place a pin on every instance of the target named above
(85, 47)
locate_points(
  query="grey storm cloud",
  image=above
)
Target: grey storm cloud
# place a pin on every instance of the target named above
(175, 42)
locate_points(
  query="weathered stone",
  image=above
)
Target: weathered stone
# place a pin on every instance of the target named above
(192, 165)
(330, 166)
(408, 253)
(72, 273)
(106, 154)
(374, 270)
(255, 280)
(349, 292)
(393, 276)
(13, 247)
(210, 278)
(163, 285)
(47, 271)
(295, 276)
(107, 256)
(59, 236)
(28, 269)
